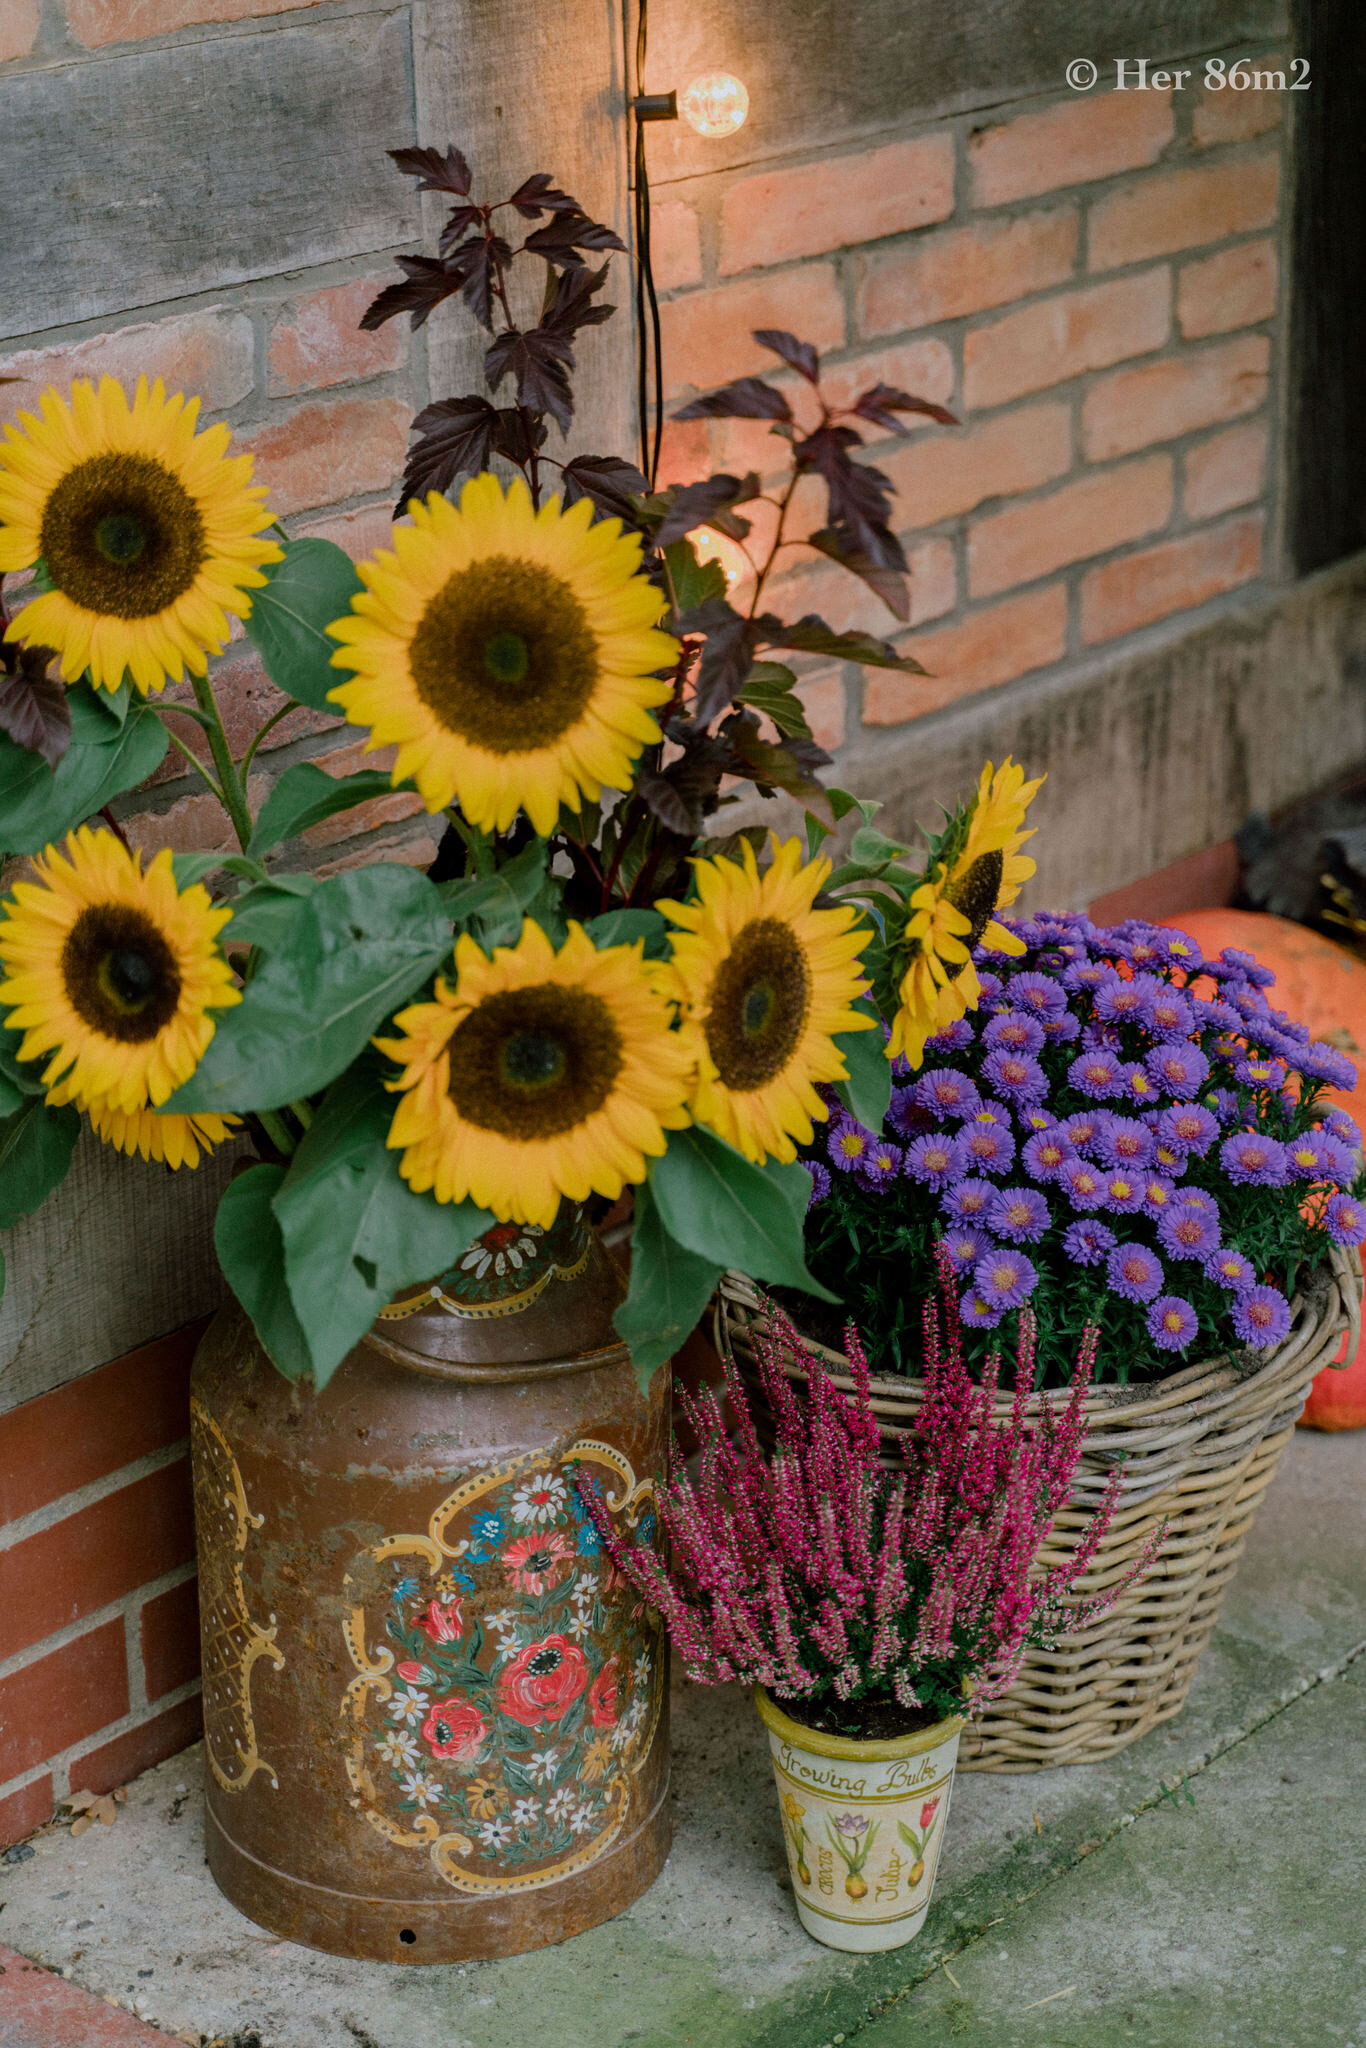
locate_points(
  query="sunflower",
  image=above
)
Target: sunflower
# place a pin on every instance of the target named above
(112, 971)
(507, 653)
(149, 533)
(171, 1139)
(538, 1075)
(978, 871)
(764, 982)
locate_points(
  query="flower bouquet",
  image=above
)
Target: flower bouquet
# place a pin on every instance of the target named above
(871, 1611)
(597, 987)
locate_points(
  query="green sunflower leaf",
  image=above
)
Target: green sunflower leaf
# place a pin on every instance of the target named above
(340, 963)
(305, 592)
(868, 1091)
(493, 907)
(24, 1076)
(251, 1252)
(354, 1232)
(670, 1288)
(305, 795)
(38, 805)
(624, 927)
(189, 868)
(12, 1097)
(36, 1144)
(264, 915)
(715, 1203)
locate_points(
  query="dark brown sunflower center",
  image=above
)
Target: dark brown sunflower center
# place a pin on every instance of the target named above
(530, 1063)
(976, 895)
(759, 1004)
(121, 535)
(504, 656)
(119, 974)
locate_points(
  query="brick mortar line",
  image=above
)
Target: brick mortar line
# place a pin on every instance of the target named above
(62, 51)
(1225, 1747)
(113, 1610)
(95, 1490)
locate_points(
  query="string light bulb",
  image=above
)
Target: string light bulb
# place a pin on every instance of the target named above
(714, 104)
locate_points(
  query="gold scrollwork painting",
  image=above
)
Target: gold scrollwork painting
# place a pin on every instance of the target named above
(232, 1642)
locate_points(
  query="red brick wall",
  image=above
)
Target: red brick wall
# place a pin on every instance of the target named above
(1091, 284)
(99, 1627)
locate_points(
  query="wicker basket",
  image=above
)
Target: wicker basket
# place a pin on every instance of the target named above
(1200, 1449)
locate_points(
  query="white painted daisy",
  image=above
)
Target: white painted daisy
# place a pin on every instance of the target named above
(539, 1499)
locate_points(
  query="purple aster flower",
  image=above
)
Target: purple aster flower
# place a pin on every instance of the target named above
(1015, 1031)
(1034, 1119)
(1219, 1013)
(1097, 1074)
(1344, 1218)
(1187, 1232)
(1255, 1073)
(846, 1142)
(1238, 962)
(1171, 1158)
(1083, 1184)
(1133, 1271)
(1325, 1063)
(1159, 1193)
(1004, 1277)
(946, 1093)
(1224, 1103)
(1036, 993)
(1189, 1126)
(1338, 1161)
(1315, 1156)
(955, 1037)
(880, 1164)
(1341, 1126)
(1046, 1153)
(1180, 1069)
(1123, 1141)
(1017, 1075)
(1249, 1158)
(1019, 1215)
(1120, 1002)
(1170, 1014)
(820, 1181)
(977, 1313)
(1228, 1269)
(990, 986)
(1201, 1199)
(1261, 1316)
(1182, 951)
(1103, 1038)
(905, 1115)
(984, 1148)
(1062, 1028)
(930, 1160)
(1083, 1130)
(965, 1245)
(1090, 974)
(1123, 1190)
(1087, 1241)
(967, 1202)
(1172, 1322)
(1140, 1086)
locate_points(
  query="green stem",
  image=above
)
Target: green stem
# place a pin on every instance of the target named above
(277, 1130)
(244, 768)
(233, 795)
(304, 1112)
(196, 763)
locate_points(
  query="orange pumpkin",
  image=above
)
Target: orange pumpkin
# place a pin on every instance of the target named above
(1323, 986)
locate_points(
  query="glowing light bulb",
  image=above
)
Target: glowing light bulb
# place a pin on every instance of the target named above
(715, 547)
(715, 104)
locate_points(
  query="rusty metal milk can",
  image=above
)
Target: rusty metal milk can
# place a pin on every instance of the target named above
(435, 1717)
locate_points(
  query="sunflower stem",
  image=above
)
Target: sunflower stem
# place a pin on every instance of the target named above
(244, 766)
(195, 761)
(304, 1112)
(232, 795)
(277, 1130)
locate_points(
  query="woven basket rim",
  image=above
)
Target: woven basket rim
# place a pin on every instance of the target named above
(1178, 1396)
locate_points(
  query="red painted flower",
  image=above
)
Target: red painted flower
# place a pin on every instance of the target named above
(542, 1681)
(455, 1728)
(602, 1695)
(927, 1813)
(535, 1562)
(409, 1671)
(442, 1621)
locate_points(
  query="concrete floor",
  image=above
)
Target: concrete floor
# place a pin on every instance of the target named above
(1085, 1906)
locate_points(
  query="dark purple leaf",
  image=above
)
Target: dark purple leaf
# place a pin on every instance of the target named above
(569, 302)
(684, 794)
(519, 434)
(538, 361)
(748, 398)
(426, 284)
(799, 355)
(698, 504)
(34, 711)
(727, 656)
(613, 486)
(435, 171)
(811, 635)
(540, 194)
(455, 439)
(860, 496)
(562, 238)
(787, 764)
(459, 221)
(475, 263)
(886, 577)
(881, 405)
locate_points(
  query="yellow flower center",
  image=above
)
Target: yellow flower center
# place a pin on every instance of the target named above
(760, 999)
(119, 974)
(504, 656)
(122, 536)
(532, 1062)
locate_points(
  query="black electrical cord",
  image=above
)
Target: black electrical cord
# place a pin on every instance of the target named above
(648, 347)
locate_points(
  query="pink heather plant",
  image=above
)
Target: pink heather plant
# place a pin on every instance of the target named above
(848, 1589)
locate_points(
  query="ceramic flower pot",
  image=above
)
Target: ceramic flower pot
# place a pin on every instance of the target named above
(434, 1714)
(863, 1823)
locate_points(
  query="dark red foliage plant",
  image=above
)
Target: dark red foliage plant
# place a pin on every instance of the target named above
(852, 1592)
